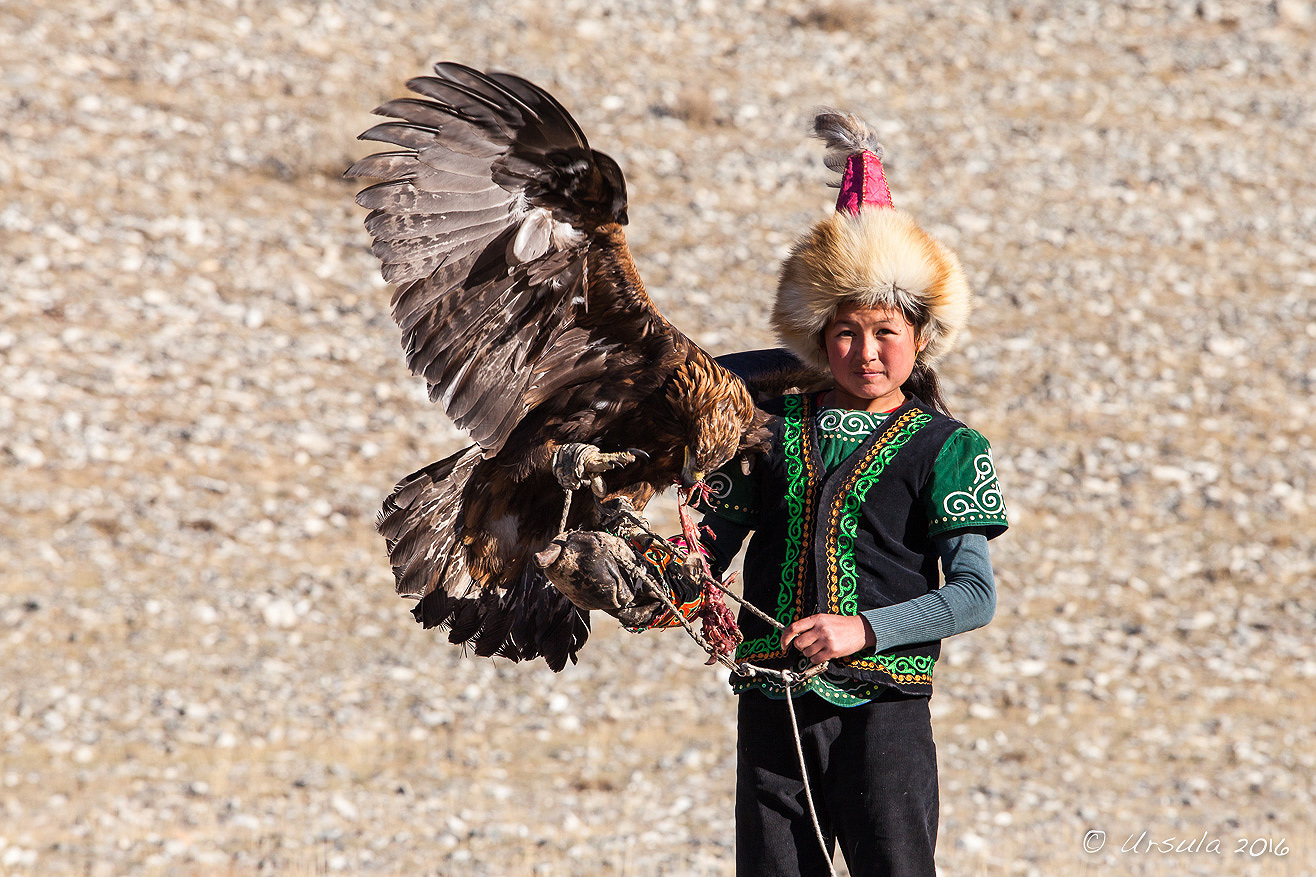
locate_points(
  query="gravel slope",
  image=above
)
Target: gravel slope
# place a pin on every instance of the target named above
(206, 671)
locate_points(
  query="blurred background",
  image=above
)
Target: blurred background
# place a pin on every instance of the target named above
(203, 401)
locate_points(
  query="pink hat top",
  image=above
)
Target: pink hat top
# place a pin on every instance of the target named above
(864, 184)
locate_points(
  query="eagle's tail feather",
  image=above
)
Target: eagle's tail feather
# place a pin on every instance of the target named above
(545, 623)
(492, 638)
(435, 609)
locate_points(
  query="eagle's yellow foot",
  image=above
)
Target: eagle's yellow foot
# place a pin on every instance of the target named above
(578, 465)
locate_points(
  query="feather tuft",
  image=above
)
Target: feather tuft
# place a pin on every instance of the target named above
(845, 134)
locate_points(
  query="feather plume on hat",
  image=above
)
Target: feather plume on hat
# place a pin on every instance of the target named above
(866, 253)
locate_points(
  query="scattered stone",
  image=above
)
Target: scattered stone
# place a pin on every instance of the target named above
(205, 400)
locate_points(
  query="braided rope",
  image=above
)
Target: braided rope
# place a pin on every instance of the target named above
(787, 679)
(804, 776)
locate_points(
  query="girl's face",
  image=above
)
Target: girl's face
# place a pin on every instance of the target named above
(871, 352)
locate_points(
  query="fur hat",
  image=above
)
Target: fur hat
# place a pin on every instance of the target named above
(866, 253)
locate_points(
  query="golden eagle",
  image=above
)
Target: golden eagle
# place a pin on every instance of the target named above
(521, 307)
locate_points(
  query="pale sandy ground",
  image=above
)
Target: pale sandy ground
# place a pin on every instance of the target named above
(205, 670)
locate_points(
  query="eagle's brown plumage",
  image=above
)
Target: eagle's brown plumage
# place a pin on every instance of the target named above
(520, 306)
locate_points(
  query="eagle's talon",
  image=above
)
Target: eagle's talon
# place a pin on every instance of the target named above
(576, 465)
(696, 566)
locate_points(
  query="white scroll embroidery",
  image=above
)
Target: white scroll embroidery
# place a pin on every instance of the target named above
(984, 499)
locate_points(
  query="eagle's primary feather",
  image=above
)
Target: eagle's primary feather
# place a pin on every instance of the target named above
(520, 305)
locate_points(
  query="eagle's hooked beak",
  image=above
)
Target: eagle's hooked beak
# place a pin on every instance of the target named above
(690, 475)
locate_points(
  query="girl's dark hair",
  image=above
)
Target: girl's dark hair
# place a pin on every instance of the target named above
(924, 383)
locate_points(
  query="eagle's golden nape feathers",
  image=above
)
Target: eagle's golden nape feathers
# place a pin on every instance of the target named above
(521, 307)
(714, 410)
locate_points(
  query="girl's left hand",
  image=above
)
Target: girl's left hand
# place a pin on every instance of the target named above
(823, 637)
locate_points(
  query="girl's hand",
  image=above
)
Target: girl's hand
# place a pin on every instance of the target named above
(823, 637)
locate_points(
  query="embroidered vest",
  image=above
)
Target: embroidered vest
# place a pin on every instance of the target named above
(844, 542)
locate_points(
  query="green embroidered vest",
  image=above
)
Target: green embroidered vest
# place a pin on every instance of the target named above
(842, 542)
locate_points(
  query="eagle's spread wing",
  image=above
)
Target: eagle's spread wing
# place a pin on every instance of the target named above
(484, 219)
(520, 306)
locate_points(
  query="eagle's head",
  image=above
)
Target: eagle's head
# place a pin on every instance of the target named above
(716, 413)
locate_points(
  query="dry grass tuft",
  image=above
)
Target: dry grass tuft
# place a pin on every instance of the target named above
(694, 106)
(834, 16)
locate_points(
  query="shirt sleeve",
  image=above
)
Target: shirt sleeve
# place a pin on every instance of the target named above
(721, 539)
(965, 602)
(730, 508)
(963, 492)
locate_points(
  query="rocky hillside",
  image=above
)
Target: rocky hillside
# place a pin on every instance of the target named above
(204, 401)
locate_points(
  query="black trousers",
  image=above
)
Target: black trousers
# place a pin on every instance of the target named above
(873, 772)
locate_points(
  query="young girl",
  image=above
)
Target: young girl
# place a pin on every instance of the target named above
(866, 487)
